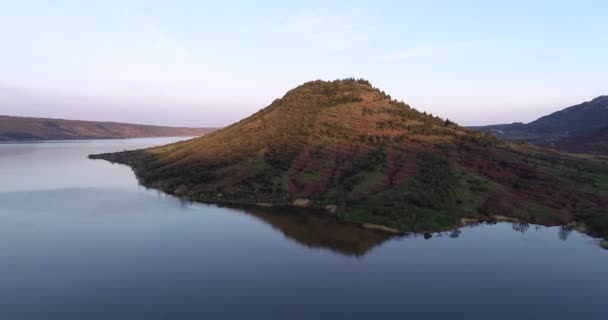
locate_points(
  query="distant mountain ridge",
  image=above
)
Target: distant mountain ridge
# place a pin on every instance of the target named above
(33, 129)
(577, 121)
(352, 150)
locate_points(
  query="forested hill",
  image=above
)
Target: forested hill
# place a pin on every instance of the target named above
(351, 149)
(28, 129)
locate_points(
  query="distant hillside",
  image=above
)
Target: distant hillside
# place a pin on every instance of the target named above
(352, 150)
(595, 142)
(27, 129)
(578, 120)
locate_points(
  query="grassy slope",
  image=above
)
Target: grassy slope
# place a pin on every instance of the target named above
(348, 144)
(23, 128)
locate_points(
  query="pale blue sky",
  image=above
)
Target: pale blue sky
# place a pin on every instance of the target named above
(209, 63)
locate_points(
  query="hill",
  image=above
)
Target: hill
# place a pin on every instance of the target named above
(350, 148)
(27, 129)
(579, 120)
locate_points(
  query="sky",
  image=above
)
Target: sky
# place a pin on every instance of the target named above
(211, 63)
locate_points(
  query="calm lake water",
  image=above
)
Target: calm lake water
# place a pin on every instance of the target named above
(79, 239)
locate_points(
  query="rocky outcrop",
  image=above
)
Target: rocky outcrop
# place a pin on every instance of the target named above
(301, 203)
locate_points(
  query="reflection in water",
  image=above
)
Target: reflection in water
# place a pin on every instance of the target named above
(313, 229)
(455, 234)
(318, 230)
(521, 227)
(564, 232)
(80, 240)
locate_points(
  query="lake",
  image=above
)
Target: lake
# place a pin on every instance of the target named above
(80, 239)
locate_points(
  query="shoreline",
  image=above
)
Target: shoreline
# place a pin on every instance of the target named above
(84, 139)
(305, 204)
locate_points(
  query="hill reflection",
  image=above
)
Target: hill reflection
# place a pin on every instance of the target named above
(318, 229)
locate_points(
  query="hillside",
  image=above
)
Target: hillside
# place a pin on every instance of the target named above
(595, 142)
(349, 148)
(27, 129)
(579, 120)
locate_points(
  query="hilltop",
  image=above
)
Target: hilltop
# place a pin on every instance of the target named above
(580, 123)
(351, 149)
(32, 129)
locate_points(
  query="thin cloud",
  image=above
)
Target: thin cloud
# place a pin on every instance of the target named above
(423, 51)
(334, 30)
(409, 53)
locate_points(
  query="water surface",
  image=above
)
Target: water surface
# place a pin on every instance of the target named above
(79, 239)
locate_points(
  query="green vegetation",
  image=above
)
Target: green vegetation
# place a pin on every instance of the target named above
(348, 145)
